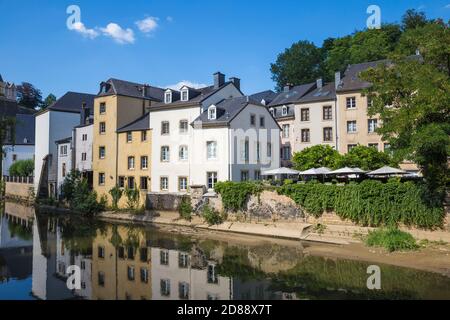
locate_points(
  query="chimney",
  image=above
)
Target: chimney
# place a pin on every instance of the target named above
(337, 79)
(219, 80)
(319, 83)
(84, 114)
(145, 88)
(236, 82)
(287, 87)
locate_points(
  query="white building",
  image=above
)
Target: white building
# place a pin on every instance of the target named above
(23, 146)
(201, 136)
(64, 161)
(53, 124)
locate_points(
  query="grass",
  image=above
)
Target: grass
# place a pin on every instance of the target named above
(391, 239)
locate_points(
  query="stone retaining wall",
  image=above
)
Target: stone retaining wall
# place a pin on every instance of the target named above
(18, 190)
(164, 201)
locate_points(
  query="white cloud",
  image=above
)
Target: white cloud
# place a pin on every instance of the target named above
(122, 36)
(148, 24)
(81, 28)
(177, 86)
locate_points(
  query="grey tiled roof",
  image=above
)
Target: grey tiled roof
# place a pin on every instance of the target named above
(25, 129)
(293, 95)
(278, 111)
(267, 96)
(327, 92)
(65, 140)
(72, 101)
(142, 123)
(132, 89)
(226, 111)
(351, 80)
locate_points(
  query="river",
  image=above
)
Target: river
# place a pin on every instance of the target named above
(129, 261)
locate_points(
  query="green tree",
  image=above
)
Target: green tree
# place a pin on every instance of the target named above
(22, 168)
(412, 97)
(6, 133)
(315, 157)
(51, 98)
(366, 158)
(298, 64)
(28, 95)
(413, 19)
(116, 193)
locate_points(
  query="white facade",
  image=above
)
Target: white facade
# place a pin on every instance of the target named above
(64, 163)
(51, 126)
(83, 147)
(15, 153)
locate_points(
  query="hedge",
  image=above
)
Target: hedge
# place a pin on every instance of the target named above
(370, 203)
(235, 194)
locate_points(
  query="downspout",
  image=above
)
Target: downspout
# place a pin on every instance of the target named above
(336, 123)
(117, 157)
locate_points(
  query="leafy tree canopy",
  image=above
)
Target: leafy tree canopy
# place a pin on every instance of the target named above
(22, 168)
(315, 157)
(28, 95)
(51, 98)
(366, 158)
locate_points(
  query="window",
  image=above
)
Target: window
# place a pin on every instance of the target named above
(212, 114)
(305, 135)
(101, 152)
(245, 155)
(165, 156)
(14, 157)
(101, 179)
(83, 156)
(63, 151)
(327, 113)
(285, 129)
(211, 274)
(183, 290)
(272, 111)
(143, 254)
(84, 137)
(130, 273)
(168, 97)
(304, 114)
(144, 275)
(102, 127)
(257, 175)
(83, 265)
(144, 162)
(121, 182)
(165, 128)
(284, 111)
(350, 147)
(165, 287)
(211, 179)
(130, 163)
(373, 145)
(129, 137)
(102, 107)
(131, 183)
(183, 153)
(121, 252)
(143, 136)
(211, 148)
(351, 102)
(164, 257)
(183, 126)
(286, 153)
(130, 253)
(184, 95)
(328, 134)
(63, 170)
(372, 125)
(262, 122)
(244, 175)
(164, 183)
(183, 260)
(351, 126)
(182, 184)
(269, 150)
(258, 152)
(144, 183)
(101, 252)
(101, 279)
(252, 120)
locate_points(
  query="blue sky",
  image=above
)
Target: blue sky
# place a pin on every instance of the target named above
(175, 41)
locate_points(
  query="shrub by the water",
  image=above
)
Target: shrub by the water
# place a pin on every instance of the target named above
(211, 216)
(392, 239)
(116, 193)
(185, 208)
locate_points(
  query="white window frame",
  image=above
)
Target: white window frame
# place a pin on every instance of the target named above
(284, 111)
(168, 96)
(182, 186)
(144, 162)
(165, 153)
(182, 130)
(211, 150)
(213, 176)
(372, 125)
(212, 113)
(164, 186)
(183, 155)
(285, 130)
(350, 103)
(352, 126)
(131, 163)
(185, 91)
(272, 111)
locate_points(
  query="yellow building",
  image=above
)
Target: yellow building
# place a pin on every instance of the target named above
(134, 157)
(118, 104)
(121, 265)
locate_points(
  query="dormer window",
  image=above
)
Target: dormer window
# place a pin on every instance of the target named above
(263, 102)
(212, 113)
(272, 111)
(168, 96)
(284, 111)
(184, 94)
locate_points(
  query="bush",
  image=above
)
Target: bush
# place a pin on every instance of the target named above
(22, 168)
(391, 239)
(69, 185)
(116, 193)
(185, 208)
(235, 194)
(211, 216)
(133, 196)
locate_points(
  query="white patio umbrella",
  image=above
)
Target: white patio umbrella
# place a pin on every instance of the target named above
(280, 171)
(347, 171)
(315, 172)
(386, 171)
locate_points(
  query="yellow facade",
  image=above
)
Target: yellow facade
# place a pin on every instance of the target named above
(138, 148)
(118, 112)
(114, 253)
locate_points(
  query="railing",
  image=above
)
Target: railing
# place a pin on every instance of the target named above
(24, 180)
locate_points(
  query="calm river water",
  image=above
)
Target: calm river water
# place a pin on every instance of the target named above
(121, 261)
